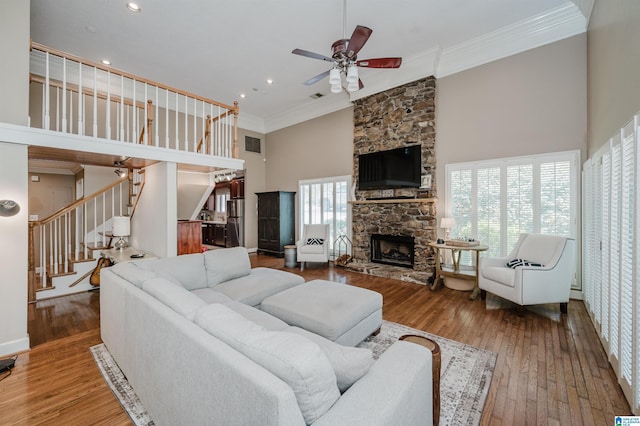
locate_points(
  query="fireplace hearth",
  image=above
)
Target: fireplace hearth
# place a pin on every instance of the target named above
(397, 250)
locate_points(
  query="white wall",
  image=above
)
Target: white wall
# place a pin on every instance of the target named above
(254, 181)
(14, 185)
(97, 177)
(14, 250)
(154, 226)
(613, 68)
(530, 103)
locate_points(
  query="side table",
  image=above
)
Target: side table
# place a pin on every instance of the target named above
(456, 270)
(436, 363)
(124, 255)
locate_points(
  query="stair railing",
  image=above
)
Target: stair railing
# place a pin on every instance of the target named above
(71, 233)
(115, 105)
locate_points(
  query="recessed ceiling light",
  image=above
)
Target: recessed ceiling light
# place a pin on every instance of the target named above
(106, 62)
(132, 6)
(269, 81)
(242, 95)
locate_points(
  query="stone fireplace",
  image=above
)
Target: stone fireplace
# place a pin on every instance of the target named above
(398, 117)
(397, 250)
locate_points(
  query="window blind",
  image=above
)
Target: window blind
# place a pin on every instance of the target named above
(613, 298)
(494, 201)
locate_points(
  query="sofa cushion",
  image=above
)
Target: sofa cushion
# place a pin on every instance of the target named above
(257, 316)
(311, 249)
(177, 298)
(294, 359)
(226, 264)
(209, 295)
(501, 274)
(258, 285)
(188, 270)
(132, 273)
(349, 363)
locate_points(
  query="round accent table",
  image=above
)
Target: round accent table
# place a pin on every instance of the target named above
(290, 256)
(435, 369)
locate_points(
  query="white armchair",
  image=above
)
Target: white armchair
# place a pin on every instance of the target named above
(313, 246)
(531, 285)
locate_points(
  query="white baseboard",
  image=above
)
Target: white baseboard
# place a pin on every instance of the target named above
(576, 294)
(14, 346)
(252, 250)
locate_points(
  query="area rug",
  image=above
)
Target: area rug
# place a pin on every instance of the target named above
(465, 375)
(464, 381)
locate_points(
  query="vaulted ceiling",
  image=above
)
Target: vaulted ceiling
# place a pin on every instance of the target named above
(223, 49)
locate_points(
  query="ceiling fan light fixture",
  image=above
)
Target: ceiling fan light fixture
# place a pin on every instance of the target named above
(352, 74)
(133, 6)
(334, 77)
(336, 88)
(353, 86)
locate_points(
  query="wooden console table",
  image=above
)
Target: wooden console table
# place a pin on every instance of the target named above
(455, 270)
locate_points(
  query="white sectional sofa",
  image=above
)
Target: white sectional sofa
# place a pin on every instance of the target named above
(189, 336)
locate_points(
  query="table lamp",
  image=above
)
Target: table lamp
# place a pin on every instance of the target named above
(447, 223)
(121, 228)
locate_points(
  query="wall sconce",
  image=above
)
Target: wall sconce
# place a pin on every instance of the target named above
(121, 228)
(9, 208)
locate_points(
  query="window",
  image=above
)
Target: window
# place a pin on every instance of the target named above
(611, 243)
(495, 201)
(326, 201)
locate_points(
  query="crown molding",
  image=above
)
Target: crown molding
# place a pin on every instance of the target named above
(251, 122)
(412, 69)
(316, 108)
(548, 27)
(553, 25)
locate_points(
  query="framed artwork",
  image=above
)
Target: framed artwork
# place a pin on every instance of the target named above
(425, 182)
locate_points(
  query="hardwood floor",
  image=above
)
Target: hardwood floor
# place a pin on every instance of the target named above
(551, 368)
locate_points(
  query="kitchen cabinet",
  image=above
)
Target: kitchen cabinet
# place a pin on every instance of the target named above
(220, 235)
(189, 237)
(214, 234)
(208, 236)
(276, 221)
(237, 188)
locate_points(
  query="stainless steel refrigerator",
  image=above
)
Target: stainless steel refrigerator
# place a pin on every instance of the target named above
(235, 222)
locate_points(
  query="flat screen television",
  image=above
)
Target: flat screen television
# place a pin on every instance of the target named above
(394, 168)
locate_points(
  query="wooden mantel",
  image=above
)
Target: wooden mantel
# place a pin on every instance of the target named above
(395, 200)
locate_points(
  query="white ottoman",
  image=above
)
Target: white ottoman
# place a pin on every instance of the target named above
(340, 312)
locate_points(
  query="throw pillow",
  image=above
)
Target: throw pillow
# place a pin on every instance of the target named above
(294, 359)
(513, 264)
(226, 264)
(174, 296)
(132, 273)
(315, 241)
(349, 363)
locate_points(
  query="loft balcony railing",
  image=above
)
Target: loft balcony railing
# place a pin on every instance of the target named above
(77, 96)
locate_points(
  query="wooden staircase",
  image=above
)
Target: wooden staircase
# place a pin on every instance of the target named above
(70, 241)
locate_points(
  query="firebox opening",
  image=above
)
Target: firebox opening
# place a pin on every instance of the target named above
(394, 250)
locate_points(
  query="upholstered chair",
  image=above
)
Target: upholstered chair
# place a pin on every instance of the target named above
(538, 270)
(313, 246)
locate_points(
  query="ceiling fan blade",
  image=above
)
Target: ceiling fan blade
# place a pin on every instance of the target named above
(380, 63)
(317, 78)
(359, 37)
(312, 55)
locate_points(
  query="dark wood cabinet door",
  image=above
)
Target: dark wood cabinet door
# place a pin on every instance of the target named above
(276, 222)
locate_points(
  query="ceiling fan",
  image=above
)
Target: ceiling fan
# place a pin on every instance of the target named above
(345, 58)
